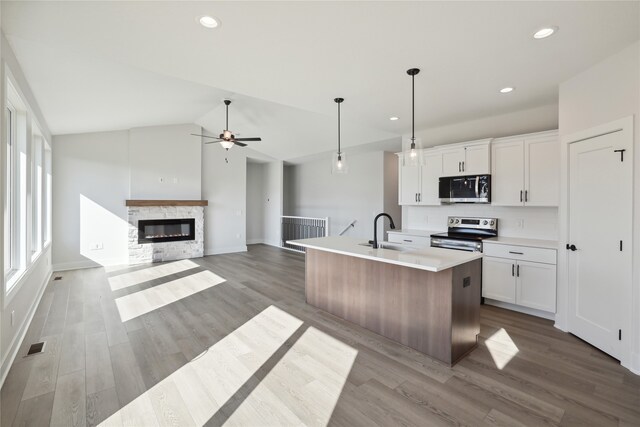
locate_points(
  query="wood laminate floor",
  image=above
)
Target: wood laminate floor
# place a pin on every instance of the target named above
(228, 339)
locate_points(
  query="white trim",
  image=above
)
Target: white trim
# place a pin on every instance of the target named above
(23, 276)
(224, 250)
(624, 125)
(634, 363)
(255, 241)
(78, 265)
(12, 352)
(520, 309)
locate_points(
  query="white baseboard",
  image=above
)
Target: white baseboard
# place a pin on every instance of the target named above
(12, 352)
(255, 241)
(225, 250)
(634, 363)
(520, 309)
(78, 265)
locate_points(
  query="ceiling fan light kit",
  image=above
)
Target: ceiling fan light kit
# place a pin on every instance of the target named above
(227, 139)
(412, 147)
(339, 163)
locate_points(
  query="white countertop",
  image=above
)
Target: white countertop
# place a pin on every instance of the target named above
(430, 259)
(517, 241)
(421, 233)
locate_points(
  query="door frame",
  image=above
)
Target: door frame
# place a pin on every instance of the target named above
(625, 126)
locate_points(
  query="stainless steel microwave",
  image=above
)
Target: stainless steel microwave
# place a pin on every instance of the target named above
(465, 189)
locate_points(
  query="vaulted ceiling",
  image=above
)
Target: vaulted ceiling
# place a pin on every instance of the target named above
(96, 66)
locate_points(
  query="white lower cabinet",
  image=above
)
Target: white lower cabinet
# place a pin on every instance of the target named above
(518, 280)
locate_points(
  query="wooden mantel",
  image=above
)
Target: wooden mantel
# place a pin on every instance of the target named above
(167, 202)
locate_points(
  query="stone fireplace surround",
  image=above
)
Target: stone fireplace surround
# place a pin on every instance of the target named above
(165, 251)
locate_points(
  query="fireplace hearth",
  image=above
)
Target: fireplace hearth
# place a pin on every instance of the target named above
(166, 230)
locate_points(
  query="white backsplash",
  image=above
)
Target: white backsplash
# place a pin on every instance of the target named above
(525, 222)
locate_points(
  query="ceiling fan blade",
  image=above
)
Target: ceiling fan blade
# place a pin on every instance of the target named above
(248, 139)
(206, 136)
(240, 144)
(213, 142)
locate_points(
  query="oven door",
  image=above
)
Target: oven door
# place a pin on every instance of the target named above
(460, 245)
(465, 189)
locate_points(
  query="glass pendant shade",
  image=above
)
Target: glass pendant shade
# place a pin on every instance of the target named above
(339, 163)
(411, 152)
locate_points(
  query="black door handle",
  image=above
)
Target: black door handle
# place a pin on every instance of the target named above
(571, 247)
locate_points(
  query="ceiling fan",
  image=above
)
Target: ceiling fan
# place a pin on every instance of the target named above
(227, 139)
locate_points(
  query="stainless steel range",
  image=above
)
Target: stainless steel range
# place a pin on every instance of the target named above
(466, 234)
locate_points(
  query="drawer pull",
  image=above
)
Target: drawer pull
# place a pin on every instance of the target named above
(407, 240)
(516, 253)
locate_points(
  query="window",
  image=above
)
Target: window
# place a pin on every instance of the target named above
(36, 191)
(15, 198)
(46, 224)
(9, 202)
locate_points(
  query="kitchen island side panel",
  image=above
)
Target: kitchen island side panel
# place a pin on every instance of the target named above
(407, 305)
(465, 321)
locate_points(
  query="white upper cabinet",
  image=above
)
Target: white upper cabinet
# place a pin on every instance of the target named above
(418, 185)
(471, 158)
(542, 170)
(452, 161)
(525, 170)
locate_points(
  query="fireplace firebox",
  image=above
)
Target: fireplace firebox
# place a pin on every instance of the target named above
(166, 230)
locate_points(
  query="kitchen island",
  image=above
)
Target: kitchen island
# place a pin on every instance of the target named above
(427, 299)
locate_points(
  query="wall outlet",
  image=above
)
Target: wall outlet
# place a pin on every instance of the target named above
(238, 213)
(520, 223)
(13, 315)
(238, 236)
(175, 180)
(96, 246)
(160, 179)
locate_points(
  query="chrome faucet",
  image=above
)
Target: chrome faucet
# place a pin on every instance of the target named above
(375, 228)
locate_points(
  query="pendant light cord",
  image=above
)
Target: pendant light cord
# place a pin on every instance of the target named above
(413, 109)
(338, 128)
(227, 116)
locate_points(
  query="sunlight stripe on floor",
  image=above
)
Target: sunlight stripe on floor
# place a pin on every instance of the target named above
(132, 278)
(141, 302)
(195, 392)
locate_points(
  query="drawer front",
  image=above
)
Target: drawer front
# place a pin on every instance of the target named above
(525, 253)
(407, 239)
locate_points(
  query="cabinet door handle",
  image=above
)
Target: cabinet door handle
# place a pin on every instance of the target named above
(516, 253)
(513, 270)
(462, 166)
(520, 195)
(415, 196)
(526, 195)
(407, 240)
(518, 271)
(459, 166)
(420, 197)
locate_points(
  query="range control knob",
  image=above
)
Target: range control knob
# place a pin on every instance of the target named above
(450, 220)
(457, 221)
(485, 222)
(492, 222)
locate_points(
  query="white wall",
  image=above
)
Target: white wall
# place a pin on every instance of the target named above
(225, 186)
(26, 293)
(608, 91)
(89, 193)
(311, 190)
(273, 202)
(165, 162)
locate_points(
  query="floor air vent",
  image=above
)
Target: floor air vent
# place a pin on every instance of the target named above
(36, 348)
(57, 278)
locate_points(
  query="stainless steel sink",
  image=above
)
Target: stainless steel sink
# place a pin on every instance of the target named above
(386, 246)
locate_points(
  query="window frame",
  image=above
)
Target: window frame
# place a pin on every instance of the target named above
(11, 258)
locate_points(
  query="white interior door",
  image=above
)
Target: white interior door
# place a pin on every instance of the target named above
(507, 174)
(600, 216)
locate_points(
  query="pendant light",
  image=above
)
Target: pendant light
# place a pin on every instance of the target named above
(339, 163)
(412, 147)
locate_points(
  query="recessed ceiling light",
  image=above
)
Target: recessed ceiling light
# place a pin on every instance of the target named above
(394, 118)
(543, 33)
(506, 89)
(208, 22)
